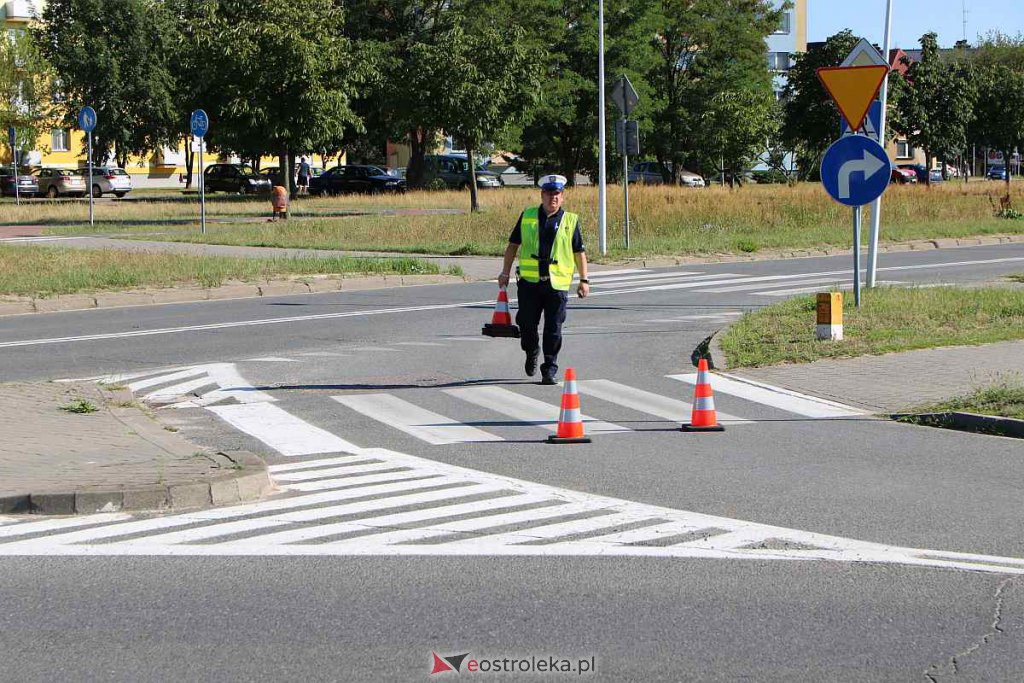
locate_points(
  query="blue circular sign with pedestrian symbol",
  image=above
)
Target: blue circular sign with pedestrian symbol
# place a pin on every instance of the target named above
(87, 119)
(200, 123)
(855, 170)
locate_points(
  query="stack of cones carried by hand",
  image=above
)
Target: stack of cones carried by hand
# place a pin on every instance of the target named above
(570, 419)
(703, 418)
(501, 322)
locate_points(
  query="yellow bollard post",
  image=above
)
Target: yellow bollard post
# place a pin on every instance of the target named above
(830, 316)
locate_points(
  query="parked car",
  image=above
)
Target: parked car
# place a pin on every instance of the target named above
(935, 175)
(110, 180)
(347, 179)
(28, 184)
(60, 182)
(240, 178)
(453, 170)
(996, 173)
(903, 176)
(650, 173)
(273, 173)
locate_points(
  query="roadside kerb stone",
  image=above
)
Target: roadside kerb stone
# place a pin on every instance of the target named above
(967, 422)
(116, 458)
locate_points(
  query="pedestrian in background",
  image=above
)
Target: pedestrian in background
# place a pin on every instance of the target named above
(304, 174)
(552, 250)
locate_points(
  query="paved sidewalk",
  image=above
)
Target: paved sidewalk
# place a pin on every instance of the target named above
(58, 462)
(897, 381)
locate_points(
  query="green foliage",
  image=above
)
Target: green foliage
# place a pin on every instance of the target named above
(114, 57)
(25, 89)
(80, 406)
(713, 99)
(999, 124)
(935, 103)
(810, 119)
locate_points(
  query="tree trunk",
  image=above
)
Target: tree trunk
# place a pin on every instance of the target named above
(190, 159)
(474, 205)
(415, 173)
(282, 161)
(928, 158)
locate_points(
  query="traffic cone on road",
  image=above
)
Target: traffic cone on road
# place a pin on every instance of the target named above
(501, 322)
(703, 418)
(570, 419)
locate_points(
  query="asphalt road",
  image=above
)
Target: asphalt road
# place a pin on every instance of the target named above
(406, 389)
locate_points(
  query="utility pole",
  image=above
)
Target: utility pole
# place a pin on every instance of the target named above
(602, 177)
(876, 207)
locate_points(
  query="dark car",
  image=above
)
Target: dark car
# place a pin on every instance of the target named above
(923, 176)
(28, 185)
(348, 179)
(240, 178)
(904, 176)
(453, 170)
(996, 173)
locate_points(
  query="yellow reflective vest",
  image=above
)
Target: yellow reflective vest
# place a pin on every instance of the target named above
(562, 263)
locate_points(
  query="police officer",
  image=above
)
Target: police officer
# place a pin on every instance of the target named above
(552, 251)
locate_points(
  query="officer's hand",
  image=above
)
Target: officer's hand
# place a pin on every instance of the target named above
(583, 290)
(502, 280)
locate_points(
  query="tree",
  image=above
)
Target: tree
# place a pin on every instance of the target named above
(810, 119)
(711, 69)
(25, 90)
(113, 56)
(935, 104)
(281, 77)
(490, 82)
(1000, 111)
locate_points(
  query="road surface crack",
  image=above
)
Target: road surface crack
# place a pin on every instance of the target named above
(952, 665)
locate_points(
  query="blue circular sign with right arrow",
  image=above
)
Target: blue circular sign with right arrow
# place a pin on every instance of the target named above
(855, 170)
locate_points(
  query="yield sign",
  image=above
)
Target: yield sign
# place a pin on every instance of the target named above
(853, 88)
(864, 54)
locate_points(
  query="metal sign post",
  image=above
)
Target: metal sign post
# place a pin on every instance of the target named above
(876, 208)
(602, 176)
(87, 123)
(856, 255)
(12, 138)
(625, 98)
(200, 124)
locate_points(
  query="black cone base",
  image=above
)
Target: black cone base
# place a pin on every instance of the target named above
(578, 439)
(491, 330)
(691, 428)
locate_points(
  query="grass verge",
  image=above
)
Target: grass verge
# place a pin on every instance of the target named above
(45, 271)
(890, 319)
(1004, 398)
(664, 220)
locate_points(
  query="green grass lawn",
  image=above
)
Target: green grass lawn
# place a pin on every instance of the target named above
(1004, 398)
(664, 220)
(45, 271)
(890, 319)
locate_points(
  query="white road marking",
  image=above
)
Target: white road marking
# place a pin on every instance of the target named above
(325, 354)
(52, 238)
(760, 285)
(608, 273)
(371, 349)
(784, 399)
(418, 344)
(846, 286)
(282, 431)
(158, 379)
(271, 359)
(413, 420)
(176, 391)
(326, 472)
(645, 401)
(261, 529)
(710, 316)
(670, 279)
(528, 410)
(649, 276)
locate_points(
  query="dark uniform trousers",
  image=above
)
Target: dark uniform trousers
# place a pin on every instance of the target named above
(536, 298)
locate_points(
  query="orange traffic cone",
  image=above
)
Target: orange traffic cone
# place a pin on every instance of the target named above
(703, 418)
(501, 322)
(570, 420)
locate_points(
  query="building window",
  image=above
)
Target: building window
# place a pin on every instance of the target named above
(904, 150)
(778, 61)
(784, 25)
(59, 140)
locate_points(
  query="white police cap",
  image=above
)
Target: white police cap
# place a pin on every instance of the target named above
(554, 183)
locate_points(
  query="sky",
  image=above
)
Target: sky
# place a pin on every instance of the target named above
(913, 18)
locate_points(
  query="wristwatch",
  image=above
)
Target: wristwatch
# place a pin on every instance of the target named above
(584, 281)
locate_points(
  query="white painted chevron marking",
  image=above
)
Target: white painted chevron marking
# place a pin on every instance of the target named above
(282, 431)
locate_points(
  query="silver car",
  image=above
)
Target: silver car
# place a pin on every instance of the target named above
(649, 172)
(60, 182)
(110, 180)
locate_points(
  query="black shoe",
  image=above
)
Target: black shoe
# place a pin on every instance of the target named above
(531, 364)
(548, 380)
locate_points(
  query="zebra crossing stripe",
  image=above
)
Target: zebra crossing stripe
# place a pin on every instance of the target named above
(777, 397)
(761, 285)
(411, 419)
(59, 524)
(526, 409)
(306, 475)
(161, 378)
(645, 401)
(282, 431)
(177, 390)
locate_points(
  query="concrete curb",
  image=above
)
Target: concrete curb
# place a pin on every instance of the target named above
(968, 422)
(272, 288)
(249, 482)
